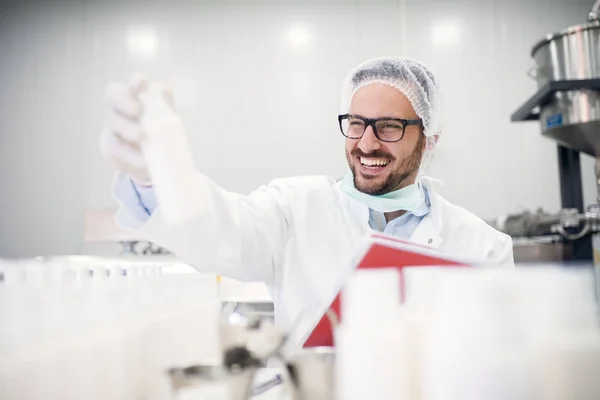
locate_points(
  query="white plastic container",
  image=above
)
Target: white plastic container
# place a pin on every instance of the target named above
(562, 323)
(371, 358)
(169, 159)
(474, 347)
(419, 291)
(71, 334)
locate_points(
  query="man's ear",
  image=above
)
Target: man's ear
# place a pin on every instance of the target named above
(431, 142)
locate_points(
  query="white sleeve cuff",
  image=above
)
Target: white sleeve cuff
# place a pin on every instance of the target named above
(136, 203)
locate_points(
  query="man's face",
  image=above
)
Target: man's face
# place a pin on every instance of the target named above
(402, 159)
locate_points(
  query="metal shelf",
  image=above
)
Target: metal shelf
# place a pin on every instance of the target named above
(544, 95)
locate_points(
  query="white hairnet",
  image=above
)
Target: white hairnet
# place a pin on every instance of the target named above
(413, 79)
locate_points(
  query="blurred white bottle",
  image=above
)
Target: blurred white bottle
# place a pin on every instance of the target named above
(167, 154)
(474, 347)
(561, 316)
(371, 358)
(419, 292)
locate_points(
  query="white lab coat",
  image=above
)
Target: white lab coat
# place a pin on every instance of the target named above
(298, 236)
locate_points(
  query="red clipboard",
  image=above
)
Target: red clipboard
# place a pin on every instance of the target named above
(383, 251)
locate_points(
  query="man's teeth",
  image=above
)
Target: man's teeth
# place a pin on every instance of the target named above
(374, 162)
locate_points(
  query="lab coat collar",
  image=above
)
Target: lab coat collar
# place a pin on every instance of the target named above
(427, 232)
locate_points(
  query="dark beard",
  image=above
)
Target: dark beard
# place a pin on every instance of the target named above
(397, 179)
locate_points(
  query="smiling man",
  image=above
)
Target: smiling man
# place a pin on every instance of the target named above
(386, 139)
(387, 157)
(298, 234)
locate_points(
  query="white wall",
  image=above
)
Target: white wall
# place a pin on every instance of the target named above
(257, 107)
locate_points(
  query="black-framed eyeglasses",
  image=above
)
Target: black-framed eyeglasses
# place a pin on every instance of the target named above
(385, 129)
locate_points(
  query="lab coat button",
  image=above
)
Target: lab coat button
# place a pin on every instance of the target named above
(430, 241)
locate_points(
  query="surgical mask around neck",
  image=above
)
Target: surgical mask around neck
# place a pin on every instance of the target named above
(408, 198)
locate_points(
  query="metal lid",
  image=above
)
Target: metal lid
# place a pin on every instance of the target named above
(569, 31)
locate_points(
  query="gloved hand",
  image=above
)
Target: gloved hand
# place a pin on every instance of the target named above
(120, 140)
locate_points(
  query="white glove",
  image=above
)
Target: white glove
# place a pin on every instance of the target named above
(120, 140)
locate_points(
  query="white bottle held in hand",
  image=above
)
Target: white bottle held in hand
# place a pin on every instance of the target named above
(168, 157)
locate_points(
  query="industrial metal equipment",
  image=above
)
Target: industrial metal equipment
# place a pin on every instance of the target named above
(247, 342)
(567, 104)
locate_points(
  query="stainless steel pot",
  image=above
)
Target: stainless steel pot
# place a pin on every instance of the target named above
(570, 54)
(572, 117)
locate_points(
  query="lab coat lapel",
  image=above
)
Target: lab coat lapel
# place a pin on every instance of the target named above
(425, 233)
(428, 231)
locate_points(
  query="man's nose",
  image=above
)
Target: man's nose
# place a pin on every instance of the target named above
(369, 142)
